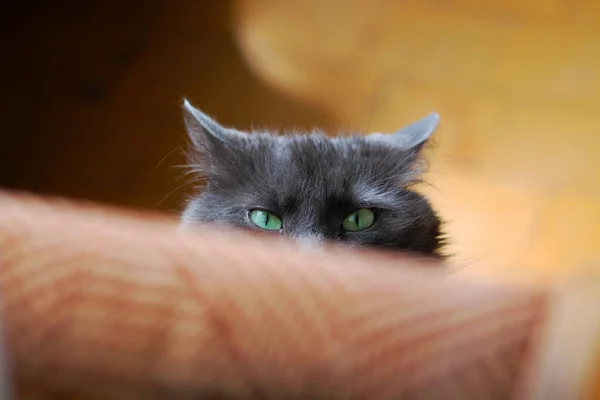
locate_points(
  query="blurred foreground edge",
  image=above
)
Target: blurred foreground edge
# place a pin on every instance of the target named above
(102, 304)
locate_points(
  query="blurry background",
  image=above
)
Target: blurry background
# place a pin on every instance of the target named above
(91, 93)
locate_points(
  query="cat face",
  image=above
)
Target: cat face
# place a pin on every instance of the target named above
(314, 188)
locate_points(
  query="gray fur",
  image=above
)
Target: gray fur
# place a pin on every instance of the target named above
(313, 181)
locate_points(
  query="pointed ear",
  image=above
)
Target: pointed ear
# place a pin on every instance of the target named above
(204, 131)
(413, 136)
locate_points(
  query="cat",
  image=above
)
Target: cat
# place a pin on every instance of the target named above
(313, 188)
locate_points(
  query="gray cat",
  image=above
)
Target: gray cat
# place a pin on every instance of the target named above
(354, 190)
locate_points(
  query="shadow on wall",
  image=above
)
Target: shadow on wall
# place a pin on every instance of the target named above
(91, 94)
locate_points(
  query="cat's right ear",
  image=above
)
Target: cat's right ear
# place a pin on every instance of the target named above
(413, 136)
(203, 131)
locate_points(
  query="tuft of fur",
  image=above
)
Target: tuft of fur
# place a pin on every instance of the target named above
(313, 181)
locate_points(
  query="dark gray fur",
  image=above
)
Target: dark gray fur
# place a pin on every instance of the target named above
(312, 182)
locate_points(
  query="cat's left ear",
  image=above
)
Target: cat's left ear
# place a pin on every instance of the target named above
(204, 131)
(413, 136)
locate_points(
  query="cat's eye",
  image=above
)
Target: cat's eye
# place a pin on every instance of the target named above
(359, 220)
(265, 220)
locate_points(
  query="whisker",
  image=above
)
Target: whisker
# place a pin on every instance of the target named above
(165, 157)
(180, 187)
(376, 93)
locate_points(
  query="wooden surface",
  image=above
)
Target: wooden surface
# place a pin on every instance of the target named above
(150, 312)
(91, 93)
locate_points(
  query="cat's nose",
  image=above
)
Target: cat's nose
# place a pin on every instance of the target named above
(309, 242)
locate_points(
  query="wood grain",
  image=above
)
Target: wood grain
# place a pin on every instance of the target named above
(104, 304)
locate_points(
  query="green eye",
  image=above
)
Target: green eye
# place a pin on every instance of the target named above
(359, 220)
(265, 220)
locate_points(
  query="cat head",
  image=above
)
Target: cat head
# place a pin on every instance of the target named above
(311, 187)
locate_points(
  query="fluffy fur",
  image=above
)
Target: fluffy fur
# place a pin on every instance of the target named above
(313, 181)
